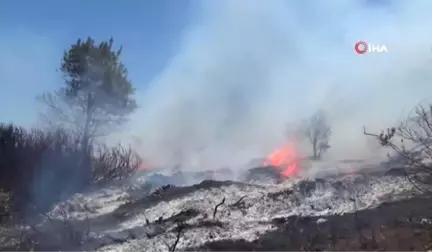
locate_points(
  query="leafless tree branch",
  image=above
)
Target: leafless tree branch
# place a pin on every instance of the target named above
(412, 144)
(318, 132)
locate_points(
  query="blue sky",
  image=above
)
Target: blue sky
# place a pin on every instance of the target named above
(33, 35)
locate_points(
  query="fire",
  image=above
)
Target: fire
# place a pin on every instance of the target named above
(286, 158)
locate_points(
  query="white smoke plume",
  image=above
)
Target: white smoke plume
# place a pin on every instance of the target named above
(249, 70)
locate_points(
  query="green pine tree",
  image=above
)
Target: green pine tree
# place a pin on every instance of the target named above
(96, 95)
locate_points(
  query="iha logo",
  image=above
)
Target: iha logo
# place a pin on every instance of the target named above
(363, 47)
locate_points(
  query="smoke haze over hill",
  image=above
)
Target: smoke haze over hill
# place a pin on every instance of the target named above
(245, 73)
(242, 72)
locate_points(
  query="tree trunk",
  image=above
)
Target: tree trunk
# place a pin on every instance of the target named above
(88, 115)
(314, 146)
(86, 140)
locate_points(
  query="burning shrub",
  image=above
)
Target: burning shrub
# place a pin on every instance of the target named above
(285, 159)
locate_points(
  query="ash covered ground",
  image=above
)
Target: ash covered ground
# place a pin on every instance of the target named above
(363, 208)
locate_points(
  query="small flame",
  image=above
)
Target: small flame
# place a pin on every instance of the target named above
(286, 158)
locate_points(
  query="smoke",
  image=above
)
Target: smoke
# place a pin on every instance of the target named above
(249, 70)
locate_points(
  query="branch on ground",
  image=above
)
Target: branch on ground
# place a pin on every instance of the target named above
(180, 228)
(216, 207)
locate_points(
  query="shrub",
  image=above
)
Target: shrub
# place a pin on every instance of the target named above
(5, 201)
(114, 163)
(39, 168)
(412, 144)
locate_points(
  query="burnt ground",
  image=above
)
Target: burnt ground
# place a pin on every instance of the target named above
(73, 235)
(398, 226)
(168, 194)
(402, 225)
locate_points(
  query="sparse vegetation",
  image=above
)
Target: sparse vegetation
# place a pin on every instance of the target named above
(411, 144)
(38, 168)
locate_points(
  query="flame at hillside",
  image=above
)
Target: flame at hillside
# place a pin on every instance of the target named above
(285, 158)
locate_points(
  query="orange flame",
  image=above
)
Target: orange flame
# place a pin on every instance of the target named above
(285, 158)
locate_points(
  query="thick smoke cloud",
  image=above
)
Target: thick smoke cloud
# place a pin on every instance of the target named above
(249, 70)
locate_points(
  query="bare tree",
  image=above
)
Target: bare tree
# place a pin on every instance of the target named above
(412, 144)
(318, 132)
